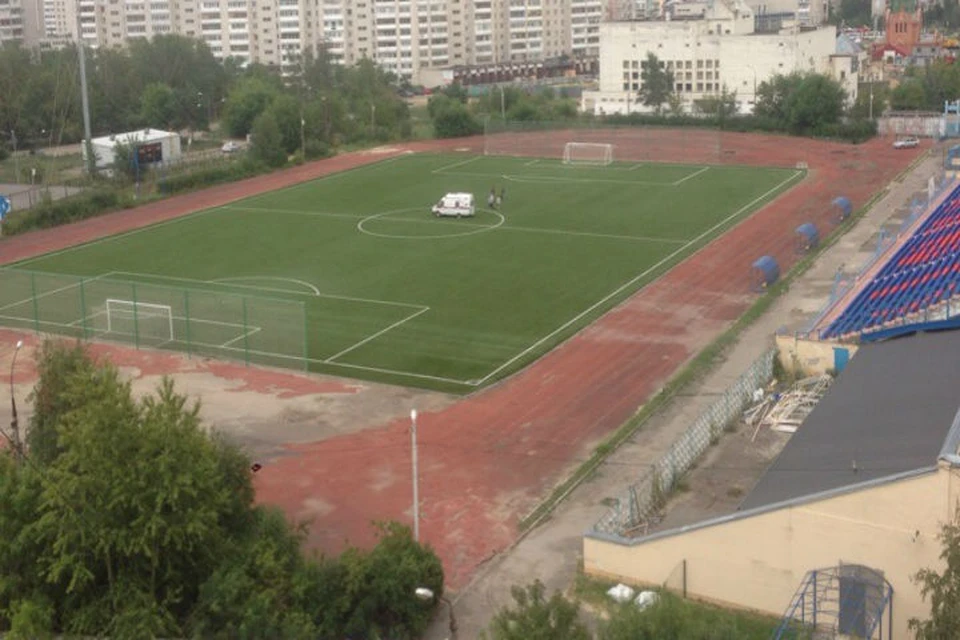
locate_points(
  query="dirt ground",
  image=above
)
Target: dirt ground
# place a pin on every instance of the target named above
(260, 409)
(552, 551)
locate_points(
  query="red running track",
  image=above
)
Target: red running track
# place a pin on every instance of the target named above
(487, 460)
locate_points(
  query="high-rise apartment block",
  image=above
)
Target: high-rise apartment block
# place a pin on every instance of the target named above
(404, 36)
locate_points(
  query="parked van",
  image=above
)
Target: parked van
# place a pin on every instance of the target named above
(455, 204)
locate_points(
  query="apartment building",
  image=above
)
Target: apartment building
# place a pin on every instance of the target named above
(408, 36)
(11, 21)
(404, 36)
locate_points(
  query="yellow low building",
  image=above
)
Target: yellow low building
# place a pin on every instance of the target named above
(846, 515)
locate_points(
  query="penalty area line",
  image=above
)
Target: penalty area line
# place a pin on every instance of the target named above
(393, 326)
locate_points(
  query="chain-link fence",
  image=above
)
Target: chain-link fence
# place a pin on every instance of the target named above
(631, 143)
(631, 515)
(209, 322)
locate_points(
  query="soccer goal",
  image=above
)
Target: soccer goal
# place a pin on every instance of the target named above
(151, 323)
(588, 153)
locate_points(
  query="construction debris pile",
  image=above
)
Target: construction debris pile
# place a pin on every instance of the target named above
(786, 411)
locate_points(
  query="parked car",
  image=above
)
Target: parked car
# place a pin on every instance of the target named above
(230, 147)
(906, 143)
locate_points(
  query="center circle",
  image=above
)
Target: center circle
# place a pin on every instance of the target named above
(456, 230)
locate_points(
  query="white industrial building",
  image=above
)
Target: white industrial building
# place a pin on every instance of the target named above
(153, 147)
(719, 49)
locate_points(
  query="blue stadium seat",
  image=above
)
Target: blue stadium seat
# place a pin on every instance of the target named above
(925, 271)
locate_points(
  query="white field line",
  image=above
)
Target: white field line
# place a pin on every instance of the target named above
(692, 175)
(256, 288)
(465, 223)
(45, 294)
(590, 234)
(201, 212)
(376, 335)
(302, 212)
(302, 283)
(636, 166)
(246, 334)
(531, 163)
(446, 168)
(636, 279)
(535, 179)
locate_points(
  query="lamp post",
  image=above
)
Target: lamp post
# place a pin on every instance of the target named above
(427, 594)
(14, 424)
(503, 105)
(416, 481)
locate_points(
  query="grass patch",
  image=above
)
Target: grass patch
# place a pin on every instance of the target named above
(690, 615)
(394, 294)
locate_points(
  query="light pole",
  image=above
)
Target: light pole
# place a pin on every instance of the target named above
(14, 423)
(427, 594)
(416, 481)
(503, 105)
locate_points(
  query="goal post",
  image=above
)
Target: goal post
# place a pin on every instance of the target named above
(143, 319)
(587, 153)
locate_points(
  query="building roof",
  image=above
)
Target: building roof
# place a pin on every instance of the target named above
(847, 46)
(889, 412)
(138, 136)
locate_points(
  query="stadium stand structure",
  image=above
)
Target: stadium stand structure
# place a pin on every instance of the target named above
(923, 273)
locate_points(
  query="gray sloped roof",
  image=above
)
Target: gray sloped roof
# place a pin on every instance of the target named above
(889, 412)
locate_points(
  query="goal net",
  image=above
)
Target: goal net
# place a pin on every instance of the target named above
(152, 323)
(588, 153)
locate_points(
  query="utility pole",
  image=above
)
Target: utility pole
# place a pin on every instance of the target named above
(84, 98)
(416, 481)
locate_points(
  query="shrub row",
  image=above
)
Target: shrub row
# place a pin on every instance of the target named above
(208, 176)
(52, 213)
(109, 197)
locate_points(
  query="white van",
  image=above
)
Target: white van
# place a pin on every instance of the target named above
(455, 204)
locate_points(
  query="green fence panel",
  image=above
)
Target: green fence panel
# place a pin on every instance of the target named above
(206, 321)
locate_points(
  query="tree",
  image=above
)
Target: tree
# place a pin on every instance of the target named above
(801, 102)
(720, 106)
(818, 100)
(285, 110)
(455, 120)
(130, 520)
(158, 106)
(942, 589)
(57, 365)
(909, 95)
(266, 141)
(657, 83)
(536, 618)
(248, 99)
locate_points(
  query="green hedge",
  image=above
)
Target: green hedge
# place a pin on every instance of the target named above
(208, 176)
(110, 197)
(52, 213)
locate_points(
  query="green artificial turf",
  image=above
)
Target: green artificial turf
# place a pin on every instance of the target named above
(404, 297)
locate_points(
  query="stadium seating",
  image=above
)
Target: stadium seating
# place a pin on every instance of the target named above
(923, 272)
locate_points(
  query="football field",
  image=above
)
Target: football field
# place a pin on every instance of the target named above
(352, 275)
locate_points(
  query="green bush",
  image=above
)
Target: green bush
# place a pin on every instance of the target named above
(207, 176)
(57, 212)
(317, 149)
